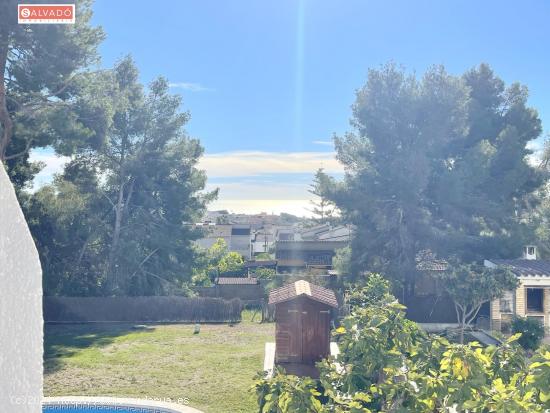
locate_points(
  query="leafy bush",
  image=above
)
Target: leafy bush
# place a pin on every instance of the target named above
(263, 256)
(287, 393)
(532, 332)
(265, 273)
(376, 290)
(231, 262)
(212, 262)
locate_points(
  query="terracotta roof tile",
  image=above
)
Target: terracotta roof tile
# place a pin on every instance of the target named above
(303, 288)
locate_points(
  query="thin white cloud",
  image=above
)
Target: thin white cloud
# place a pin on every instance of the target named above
(323, 143)
(190, 86)
(253, 181)
(53, 164)
(254, 163)
(257, 181)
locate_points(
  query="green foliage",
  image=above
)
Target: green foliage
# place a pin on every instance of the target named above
(472, 285)
(287, 394)
(217, 251)
(265, 273)
(201, 279)
(215, 261)
(376, 290)
(323, 209)
(341, 261)
(49, 96)
(387, 364)
(436, 163)
(532, 332)
(230, 262)
(263, 256)
(115, 222)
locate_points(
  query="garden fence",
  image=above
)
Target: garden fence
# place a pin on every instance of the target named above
(141, 309)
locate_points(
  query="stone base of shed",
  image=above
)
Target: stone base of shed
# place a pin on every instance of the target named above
(297, 369)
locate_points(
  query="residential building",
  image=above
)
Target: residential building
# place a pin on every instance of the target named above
(297, 255)
(240, 240)
(312, 247)
(262, 241)
(532, 297)
(286, 233)
(213, 232)
(237, 237)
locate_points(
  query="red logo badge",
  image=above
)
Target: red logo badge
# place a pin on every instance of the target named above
(45, 13)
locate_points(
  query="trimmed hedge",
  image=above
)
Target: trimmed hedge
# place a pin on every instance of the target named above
(141, 309)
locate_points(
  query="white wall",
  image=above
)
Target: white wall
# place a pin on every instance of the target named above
(20, 309)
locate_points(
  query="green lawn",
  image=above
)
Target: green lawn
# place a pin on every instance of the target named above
(213, 369)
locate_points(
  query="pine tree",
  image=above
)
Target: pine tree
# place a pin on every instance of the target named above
(322, 209)
(437, 163)
(47, 98)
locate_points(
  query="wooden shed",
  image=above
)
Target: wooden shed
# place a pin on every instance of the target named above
(302, 314)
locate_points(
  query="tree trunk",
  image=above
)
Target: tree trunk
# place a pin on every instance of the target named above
(112, 273)
(5, 119)
(460, 315)
(462, 328)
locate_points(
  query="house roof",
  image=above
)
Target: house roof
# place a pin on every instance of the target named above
(237, 281)
(526, 268)
(340, 233)
(310, 245)
(303, 288)
(427, 261)
(432, 265)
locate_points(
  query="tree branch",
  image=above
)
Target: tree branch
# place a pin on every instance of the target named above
(23, 152)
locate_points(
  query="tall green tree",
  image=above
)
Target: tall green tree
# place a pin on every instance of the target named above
(143, 191)
(435, 163)
(490, 184)
(46, 95)
(538, 216)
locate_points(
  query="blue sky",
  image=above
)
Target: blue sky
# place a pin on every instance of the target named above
(268, 83)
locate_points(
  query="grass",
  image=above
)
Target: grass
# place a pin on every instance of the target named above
(213, 370)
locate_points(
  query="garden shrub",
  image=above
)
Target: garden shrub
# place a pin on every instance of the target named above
(532, 332)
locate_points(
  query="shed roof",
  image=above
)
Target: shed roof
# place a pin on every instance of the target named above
(237, 281)
(526, 268)
(303, 288)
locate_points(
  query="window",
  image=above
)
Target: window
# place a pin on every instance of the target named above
(507, 302)
(530, 250)
(535, 300)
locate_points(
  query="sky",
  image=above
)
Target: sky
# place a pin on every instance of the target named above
(269, 83)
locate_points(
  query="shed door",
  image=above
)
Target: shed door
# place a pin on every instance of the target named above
(315, 333)
(295, 332)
